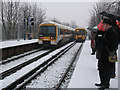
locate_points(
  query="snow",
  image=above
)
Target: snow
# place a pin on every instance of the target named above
(119, 67)
(85, 74)
(7, 80)
(54, 73)
(6, 44)
(20, 61)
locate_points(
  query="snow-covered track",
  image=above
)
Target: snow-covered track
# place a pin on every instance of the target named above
(19, 56)
(18, 67)
(57, 87)
(23, 80)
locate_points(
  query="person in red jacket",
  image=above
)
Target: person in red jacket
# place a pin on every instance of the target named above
(93, 43)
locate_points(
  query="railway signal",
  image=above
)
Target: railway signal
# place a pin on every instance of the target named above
(32, 21)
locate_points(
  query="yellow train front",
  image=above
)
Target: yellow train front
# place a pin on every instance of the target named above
(80, 34)
(51, 33)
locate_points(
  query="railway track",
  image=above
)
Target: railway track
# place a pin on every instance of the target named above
(21, 81)
(8, 60)
(18, 67)
(57, 87)
(20, 56)
(54, 77)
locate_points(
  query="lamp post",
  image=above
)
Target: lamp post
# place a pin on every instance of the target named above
(18, 32)
(26, 16)
(31, 23)
(24, 24)
(18, 28)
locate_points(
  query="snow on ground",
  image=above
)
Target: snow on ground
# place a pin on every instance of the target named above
(119, 67)
(12, 64)
(86, 73)
(6, 44)
(54, 73)
(7, 80)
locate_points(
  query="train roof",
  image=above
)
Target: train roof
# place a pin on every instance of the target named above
(80, 28)
(59, 25)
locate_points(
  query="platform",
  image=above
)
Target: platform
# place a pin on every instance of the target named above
(85, 74)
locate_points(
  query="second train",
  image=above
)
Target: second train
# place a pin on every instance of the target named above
(80, 34)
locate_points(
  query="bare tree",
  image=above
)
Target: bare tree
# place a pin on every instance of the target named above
(31, 10)
(118, 11)
(16, 14)
(56, 20)
(8, 15)
(0, 21)
(40, 16)
(99, 7)
(108, 6)
(66, 23)
(117, 8)
(73, 24)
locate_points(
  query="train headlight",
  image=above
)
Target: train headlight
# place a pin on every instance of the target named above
(52, 37)
(40, 37)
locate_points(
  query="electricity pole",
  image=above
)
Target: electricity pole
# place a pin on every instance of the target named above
(18, 24)
(24, 24)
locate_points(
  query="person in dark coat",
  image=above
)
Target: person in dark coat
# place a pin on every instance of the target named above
(107, 39)
(116, 27)
(98, 44)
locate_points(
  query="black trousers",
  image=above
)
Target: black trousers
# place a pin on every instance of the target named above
(113, 71)
(105, 75)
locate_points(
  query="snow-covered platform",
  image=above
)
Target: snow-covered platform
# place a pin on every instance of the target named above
(12, 43)
(86, 74)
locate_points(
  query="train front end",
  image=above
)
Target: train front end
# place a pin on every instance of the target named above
(47, 34)
(80, 35)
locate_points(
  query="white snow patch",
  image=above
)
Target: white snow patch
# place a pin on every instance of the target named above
(12, 43)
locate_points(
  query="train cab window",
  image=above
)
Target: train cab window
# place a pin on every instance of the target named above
(42, 29)
(80, 32)
(83, 32)
(48, 30)
(51, 29)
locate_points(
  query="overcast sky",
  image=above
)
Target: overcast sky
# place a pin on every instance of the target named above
(67, 10)
(78, 12)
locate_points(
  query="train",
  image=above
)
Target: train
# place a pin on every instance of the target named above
(80, 34)
(53, 34)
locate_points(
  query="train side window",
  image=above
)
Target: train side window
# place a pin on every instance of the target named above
(61, 31)
(58, 31)
(67, 32)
